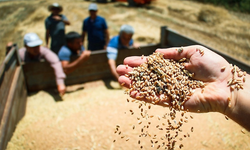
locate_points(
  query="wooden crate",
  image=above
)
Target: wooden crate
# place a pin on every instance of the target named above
(39, 75)
(13, 95)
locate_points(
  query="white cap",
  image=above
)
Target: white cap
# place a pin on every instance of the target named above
(93, 6)
(32, 40)
(127, 29)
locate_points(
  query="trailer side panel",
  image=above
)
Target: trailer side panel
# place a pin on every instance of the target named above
(41, 76)
(13, 96)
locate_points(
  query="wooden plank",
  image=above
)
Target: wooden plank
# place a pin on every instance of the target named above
(2, 68)
(144, 50)
(8, 69)
(14, 109)
(41, 76)
(175, 40)
(10, 55)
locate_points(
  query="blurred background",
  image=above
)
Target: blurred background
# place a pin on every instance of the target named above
(88, 115)
(215, 26)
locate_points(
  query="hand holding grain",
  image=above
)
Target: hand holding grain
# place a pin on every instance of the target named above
(223, 82)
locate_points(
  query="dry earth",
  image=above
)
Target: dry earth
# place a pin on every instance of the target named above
(87, 117)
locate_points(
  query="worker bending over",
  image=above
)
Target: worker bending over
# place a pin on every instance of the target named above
(73, 47)
(33, 51)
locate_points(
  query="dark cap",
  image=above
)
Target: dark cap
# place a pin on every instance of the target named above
(55, 5)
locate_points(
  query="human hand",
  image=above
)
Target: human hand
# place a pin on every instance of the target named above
(136, 45)
(105, 47)
(8, 47)
(61, 89)
(85, 55)
(57, 18)
(206, 67)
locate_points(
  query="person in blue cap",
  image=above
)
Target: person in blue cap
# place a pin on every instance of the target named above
(122, 41)
(96, 28)
(55, 27)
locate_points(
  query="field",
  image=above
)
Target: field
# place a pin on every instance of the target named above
(88, 115)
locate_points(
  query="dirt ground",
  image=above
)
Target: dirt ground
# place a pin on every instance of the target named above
(89, 113)
(87, 119)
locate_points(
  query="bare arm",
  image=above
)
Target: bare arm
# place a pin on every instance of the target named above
(112, 67)
(47, 38)
(63, 19)
(240, 110)
(66, 22)
(83, 36)
(52, 58)
(68, 67)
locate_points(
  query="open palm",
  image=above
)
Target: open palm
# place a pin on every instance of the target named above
(206, 65)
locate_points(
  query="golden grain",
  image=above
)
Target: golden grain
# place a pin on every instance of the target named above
(166, 82)
(242, 131)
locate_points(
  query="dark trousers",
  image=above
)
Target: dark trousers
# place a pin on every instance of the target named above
(96, 46)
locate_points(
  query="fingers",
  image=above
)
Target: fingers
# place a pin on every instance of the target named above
(61, 89)
(177, 53)
(123, 69)
(134, 61)
(129, 63)
(124, 81)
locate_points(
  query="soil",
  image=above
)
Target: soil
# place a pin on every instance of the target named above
(88, 115)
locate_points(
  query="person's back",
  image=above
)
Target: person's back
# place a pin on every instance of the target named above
(26, 57)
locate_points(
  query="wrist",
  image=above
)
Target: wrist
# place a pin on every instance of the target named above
(239, 110)
(60, 82)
